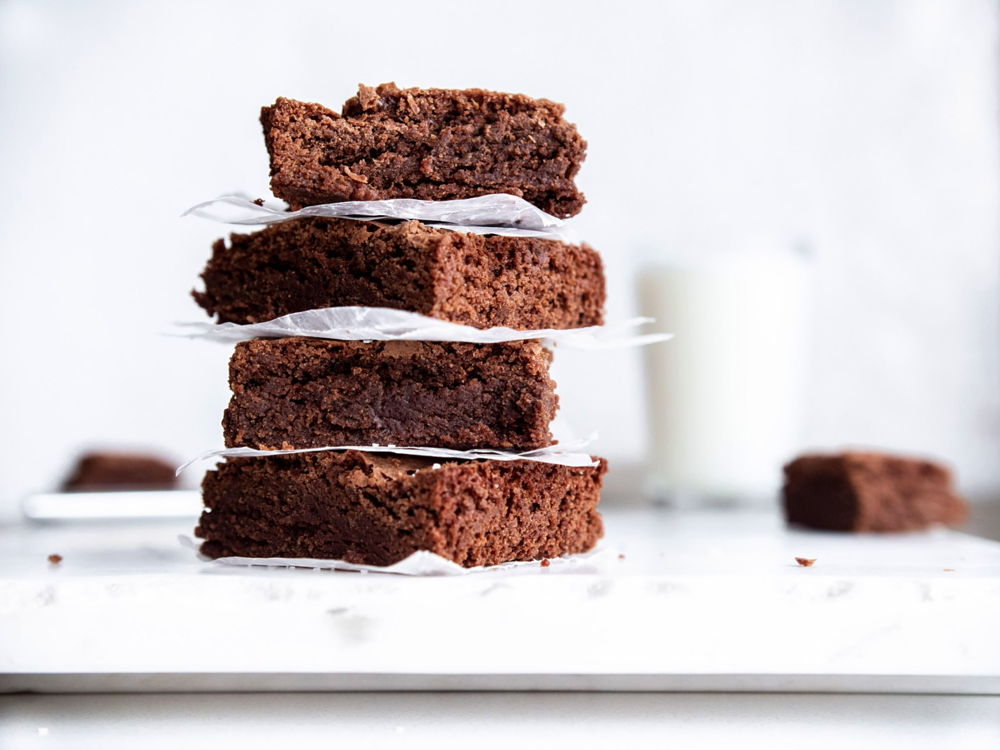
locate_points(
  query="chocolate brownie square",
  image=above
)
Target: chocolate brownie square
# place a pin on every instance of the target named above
(311, 393)
(432, 144)
(477, 280)
(869, 492)
(115, 470)
(378, 509)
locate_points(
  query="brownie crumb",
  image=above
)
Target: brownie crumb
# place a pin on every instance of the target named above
(258, 201)
(545, 563)
(55, 559)
(805, 562)
(621, 556)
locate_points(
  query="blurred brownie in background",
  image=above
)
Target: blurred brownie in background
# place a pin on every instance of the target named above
(118, 470)
(870, 492)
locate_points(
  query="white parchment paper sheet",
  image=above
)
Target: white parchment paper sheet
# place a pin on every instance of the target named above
(420, 563)
(488, 214)
(565, 453)
(384, 324)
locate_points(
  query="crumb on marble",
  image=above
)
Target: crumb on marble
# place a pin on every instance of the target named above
(55, 559)
(545, 563)
(805, 562)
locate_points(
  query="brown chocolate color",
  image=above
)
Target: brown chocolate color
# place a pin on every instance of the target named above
(432, 144)
(477, 280)
(109, 470)
(870, 492)
(378, 509)
(310, 393)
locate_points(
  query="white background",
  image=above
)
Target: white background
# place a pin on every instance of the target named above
(865, 130)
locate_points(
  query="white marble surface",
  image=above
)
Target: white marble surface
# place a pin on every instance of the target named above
(501, 720)
(709, 601)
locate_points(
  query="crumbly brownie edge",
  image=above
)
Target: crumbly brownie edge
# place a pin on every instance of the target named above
(311, 263)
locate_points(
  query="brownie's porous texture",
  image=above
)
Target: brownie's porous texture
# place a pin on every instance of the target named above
(378, 509)
(869, 492)
(482, 281)
(311, 393)
(101, 471)
(433, 144)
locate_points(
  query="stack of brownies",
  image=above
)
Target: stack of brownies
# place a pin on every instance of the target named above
(300, 393)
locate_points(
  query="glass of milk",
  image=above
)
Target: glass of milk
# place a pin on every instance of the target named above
(725, 394)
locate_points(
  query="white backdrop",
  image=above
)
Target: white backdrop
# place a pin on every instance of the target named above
(866, 129)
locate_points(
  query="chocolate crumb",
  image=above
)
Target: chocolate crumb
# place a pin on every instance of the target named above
(621, 556)
(545, 563)
(354, 175)
(805, 562)
(258, 201)
(55, 559)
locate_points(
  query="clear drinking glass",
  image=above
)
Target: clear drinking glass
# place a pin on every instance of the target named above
(725, 394)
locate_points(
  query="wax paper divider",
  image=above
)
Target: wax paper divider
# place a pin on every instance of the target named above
(497, 213)
(565, 453)
(419, 563)
(356, 323)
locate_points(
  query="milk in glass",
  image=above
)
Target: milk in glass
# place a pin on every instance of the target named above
(725, 395)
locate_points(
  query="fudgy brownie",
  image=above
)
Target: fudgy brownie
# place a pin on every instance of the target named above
(869, 492)
(311, 393)
(378, 509)
(482, 281)
(433, 144)
(110, 470)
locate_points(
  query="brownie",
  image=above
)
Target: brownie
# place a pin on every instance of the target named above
(869, 492)
(432, 144)
(98, 471)
(478, 280)
(378, 509)
(310, 393)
